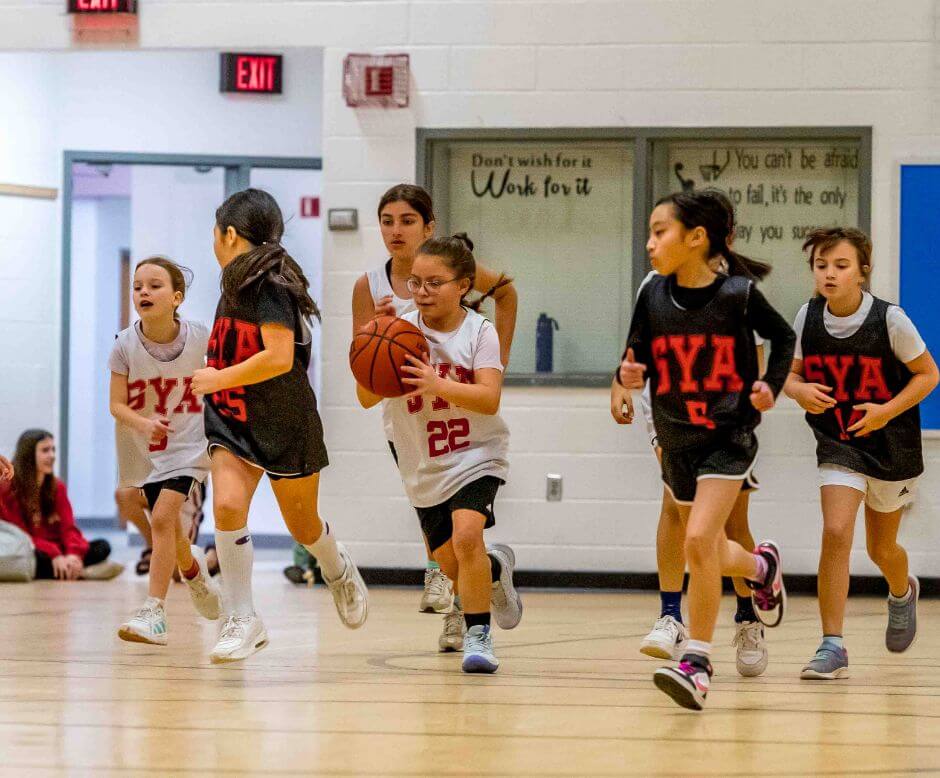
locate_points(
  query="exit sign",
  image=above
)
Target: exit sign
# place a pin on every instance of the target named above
(260, 74)
(102, 6)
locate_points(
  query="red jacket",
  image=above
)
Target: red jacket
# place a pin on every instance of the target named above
(53, 535)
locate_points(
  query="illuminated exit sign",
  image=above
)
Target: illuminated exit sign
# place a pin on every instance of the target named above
(260, 74)
(102, 6)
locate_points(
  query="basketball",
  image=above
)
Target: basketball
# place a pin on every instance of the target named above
(378, 352)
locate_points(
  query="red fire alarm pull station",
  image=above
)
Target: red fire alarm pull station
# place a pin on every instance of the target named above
(376, 80)
(260, 74)
(309, 207)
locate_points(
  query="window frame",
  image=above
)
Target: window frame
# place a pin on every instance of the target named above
(432, 173)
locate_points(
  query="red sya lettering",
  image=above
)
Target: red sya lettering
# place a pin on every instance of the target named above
(686, 349)
(833, 370)
(162, 388)
(462, 375)
(255, 74)
(98, 5)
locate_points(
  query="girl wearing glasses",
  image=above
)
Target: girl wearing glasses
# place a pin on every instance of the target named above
(406, 218)
(452, 443)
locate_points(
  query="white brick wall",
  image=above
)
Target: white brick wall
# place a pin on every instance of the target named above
(564, 63)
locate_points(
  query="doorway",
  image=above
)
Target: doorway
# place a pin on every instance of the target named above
(119, 208)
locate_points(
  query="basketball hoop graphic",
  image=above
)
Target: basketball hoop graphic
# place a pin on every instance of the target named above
(713, 171)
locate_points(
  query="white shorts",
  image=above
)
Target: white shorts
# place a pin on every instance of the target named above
(881, 496)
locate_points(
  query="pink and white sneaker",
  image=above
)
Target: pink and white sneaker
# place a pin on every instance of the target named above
(687, 684)
(772, 596)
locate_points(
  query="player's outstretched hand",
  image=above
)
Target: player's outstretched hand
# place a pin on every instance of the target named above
(621, 404)
(205, 381)
(384, 307)
(631, 372)
(814, 398)
(424, 377)
(762, 398)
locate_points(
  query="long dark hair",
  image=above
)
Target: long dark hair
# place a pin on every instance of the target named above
(255, 215)
(457, 254)
(38, 500)
(417, 197)
(712, 210)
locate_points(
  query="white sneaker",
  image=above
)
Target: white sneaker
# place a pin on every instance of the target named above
(438, 595)
(666, 640)
(241, 636)
(455, 628)
(148, 625)
(103, 571)
(751, 657)
(506, 602)
(478, 654)
(349, 593)
(203, 590)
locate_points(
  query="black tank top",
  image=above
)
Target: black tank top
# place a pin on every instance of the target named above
(703, 364)
(861, 368)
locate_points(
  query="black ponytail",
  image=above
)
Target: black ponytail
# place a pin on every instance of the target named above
(255, 215)
(712, 210)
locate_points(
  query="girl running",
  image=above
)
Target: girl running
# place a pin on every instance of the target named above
(161, 438)
(261, 415)
(668, 637)
(860, 370)
(695, 327)
(406, 218)
(452, 446)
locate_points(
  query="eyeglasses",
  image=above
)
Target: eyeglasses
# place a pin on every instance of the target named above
(431, 287)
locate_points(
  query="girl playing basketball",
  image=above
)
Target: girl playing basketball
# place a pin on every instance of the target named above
(860, 370)
(261, 415)
(161, 438)
(668, 637)
(452, 444)
(695, 328)
(406, 218)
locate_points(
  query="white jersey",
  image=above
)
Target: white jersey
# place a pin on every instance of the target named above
(441, 447)
(380, 286)
(163, 389)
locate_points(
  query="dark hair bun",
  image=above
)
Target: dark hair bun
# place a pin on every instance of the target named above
(464, 238)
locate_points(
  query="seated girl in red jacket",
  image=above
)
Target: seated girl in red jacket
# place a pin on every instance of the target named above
(37, 502)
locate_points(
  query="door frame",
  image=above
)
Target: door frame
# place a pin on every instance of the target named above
(237, 177)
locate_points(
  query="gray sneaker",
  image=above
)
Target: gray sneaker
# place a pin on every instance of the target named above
(902, 620)
(829, 663)
(505, 600)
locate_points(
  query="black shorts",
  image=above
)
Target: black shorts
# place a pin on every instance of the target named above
(182, 484)
(437, 522)
(731, 458)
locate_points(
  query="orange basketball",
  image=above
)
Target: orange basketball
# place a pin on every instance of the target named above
(377, 354)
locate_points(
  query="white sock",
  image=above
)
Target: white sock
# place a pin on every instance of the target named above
(699, 647)
(327, 554)
(904, 598)
(236, 558)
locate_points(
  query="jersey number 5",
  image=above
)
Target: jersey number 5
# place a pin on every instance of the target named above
(445, 437)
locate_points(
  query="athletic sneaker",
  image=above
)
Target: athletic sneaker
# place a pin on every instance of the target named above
(455, 628)
(830, 662)
(349, 593)
(148, 625)
(241, 636)
(102, 571)
(203, 591)
(666, 640)
(751, 659)
(506, 602)
(478, 656)
(687, 684)
(772, 596)
(902, 619)
(438, 595)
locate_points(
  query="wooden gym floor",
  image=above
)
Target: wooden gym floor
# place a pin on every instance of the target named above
(573, 694)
